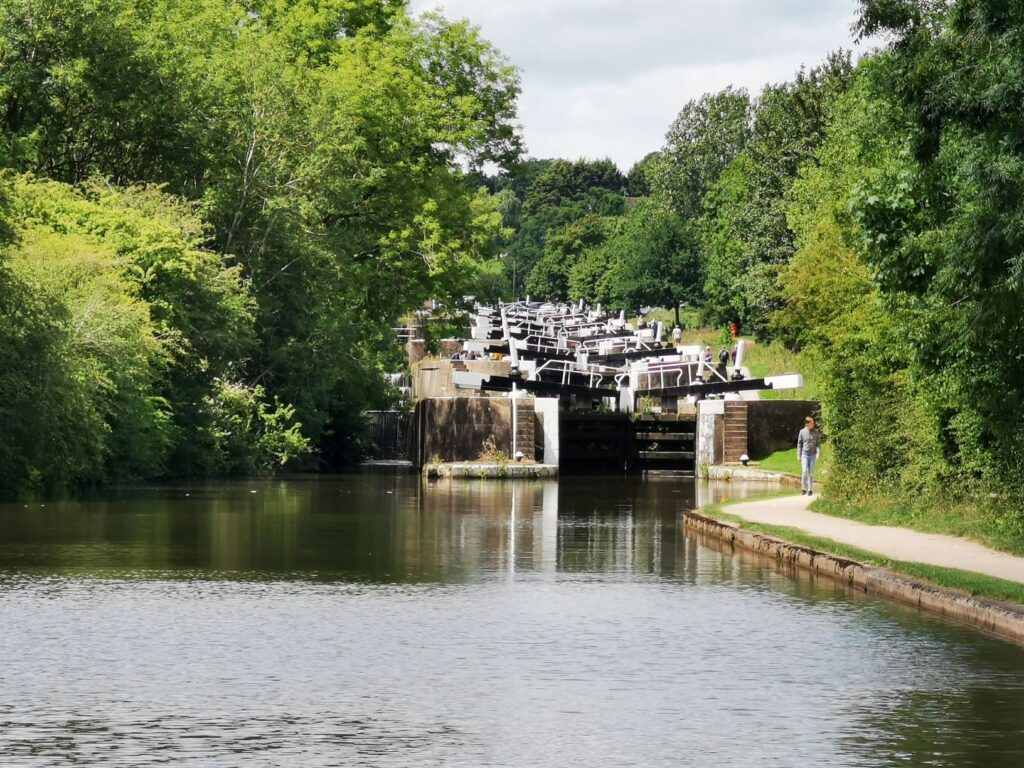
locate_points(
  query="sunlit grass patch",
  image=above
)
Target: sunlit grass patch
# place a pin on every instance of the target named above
(788, 462)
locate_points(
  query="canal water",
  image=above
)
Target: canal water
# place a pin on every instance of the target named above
(375, 620)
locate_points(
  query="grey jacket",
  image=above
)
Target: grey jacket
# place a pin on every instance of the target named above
(808, 442)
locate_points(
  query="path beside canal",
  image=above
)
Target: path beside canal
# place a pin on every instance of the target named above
(891, 542)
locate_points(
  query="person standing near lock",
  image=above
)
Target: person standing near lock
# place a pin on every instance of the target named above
(808, 449)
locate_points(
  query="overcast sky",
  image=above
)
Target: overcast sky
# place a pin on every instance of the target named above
(605, 78)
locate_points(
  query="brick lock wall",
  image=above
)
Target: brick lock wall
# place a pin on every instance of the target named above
(735, 430)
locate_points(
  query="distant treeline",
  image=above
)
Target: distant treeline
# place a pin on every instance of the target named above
(869, 214)
(212, 214)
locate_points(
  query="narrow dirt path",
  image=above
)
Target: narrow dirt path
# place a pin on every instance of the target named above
(894, 543)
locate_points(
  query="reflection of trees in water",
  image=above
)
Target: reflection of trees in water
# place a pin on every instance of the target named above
(622, 524)
(966, 723)
(366, 527)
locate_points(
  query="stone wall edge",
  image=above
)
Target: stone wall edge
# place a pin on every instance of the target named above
(996, 618)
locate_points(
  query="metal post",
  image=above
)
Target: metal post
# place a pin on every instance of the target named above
(514, 372)
(515, 420)
(737, 366)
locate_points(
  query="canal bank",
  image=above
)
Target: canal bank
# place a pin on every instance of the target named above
(949, 577)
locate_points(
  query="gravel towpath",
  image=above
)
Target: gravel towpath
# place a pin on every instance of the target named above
(894, 543)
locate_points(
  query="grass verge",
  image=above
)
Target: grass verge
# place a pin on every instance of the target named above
(787, 462)
(974, 584)
(774, 359)
(980, 519)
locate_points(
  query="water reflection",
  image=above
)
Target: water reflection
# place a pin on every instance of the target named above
(378, 620)
(377, 528)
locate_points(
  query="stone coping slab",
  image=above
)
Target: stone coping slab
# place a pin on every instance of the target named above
(476, 471)
(728, 472)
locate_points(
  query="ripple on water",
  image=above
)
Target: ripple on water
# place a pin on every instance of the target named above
(266, 636)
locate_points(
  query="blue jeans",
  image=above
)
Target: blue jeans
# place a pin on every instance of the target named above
(807, 471)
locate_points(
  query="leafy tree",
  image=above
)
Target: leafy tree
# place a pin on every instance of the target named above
(81, 355)
(572, 182)
(708, 133)
(516, 179)
(563, 248)
(46, 436)
(250, 435)
(747, 238)
(115, 322)
(652, 260)
(726, 254)
(941, 221)
(109, 354)
(378, 200)
(789, 125)
(80, 93)
(860, 338)
(563, 193)
(199, 308)
(638, 181)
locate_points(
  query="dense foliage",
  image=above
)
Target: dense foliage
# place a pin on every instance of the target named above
(211, 215)
(214, 214)
(940, 218)
(905, 275)
(567, 209)
(868, 214)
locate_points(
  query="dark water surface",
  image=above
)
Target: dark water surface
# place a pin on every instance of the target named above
(375, 621)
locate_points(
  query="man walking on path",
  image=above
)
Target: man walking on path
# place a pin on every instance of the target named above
(808, 449)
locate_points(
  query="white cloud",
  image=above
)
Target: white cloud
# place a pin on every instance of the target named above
(605, 78)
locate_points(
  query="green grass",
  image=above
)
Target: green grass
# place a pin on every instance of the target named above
(774, 359)
(974, 584)
(787, 461)
(980, 519)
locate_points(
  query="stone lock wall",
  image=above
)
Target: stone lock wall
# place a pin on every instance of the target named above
(736, 431)
(710, 432)
(999, 618)
(727, 429)
(772, 425)
(456, 429)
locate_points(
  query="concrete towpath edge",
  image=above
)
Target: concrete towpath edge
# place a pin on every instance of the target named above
(1000, 619)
